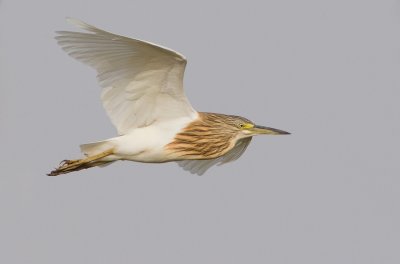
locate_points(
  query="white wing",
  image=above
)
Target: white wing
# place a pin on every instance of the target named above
(142, 82)
(199, 167)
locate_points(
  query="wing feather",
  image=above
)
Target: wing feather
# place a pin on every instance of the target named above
(142, 82)
(199, 167)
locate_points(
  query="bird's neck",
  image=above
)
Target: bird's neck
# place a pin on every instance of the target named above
(204, 138)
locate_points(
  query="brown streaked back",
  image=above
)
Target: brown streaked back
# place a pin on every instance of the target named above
(208, 137)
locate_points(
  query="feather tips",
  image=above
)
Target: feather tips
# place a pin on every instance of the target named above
(139, 73)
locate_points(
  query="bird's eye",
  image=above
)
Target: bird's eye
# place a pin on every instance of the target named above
(241, 125)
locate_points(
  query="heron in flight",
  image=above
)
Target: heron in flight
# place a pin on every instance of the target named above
(144, 97)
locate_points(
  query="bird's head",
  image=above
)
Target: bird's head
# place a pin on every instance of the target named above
(246, 128)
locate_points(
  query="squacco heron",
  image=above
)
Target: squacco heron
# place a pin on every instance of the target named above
(144, 97)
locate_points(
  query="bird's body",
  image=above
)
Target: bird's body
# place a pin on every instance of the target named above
(144, 98)
(145, 144)
(182, 139)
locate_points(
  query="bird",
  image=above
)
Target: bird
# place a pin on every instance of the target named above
(143, 95)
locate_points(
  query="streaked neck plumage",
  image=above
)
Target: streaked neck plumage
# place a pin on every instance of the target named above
(207, 137)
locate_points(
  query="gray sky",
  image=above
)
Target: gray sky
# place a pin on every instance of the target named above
(327, 71)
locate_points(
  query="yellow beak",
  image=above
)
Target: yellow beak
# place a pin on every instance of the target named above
(262, 130)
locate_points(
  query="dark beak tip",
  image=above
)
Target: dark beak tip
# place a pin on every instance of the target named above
(281, 132)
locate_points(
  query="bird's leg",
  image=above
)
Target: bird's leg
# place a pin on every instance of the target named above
(68, 162)
(88, 159)
(73, 165)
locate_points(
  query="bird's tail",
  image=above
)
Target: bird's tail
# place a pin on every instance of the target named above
(95, 154)
(91, 149)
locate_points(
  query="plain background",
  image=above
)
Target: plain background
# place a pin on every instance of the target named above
(327, 71)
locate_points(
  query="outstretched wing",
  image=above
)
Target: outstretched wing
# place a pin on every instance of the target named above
(142, 82)
(199, 167)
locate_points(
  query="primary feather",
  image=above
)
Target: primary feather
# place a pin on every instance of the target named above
(142, 82)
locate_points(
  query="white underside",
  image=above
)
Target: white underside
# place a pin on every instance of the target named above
(145, 144)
